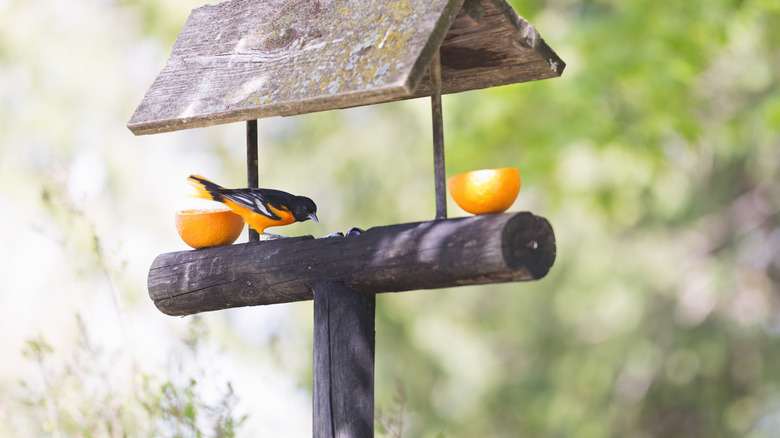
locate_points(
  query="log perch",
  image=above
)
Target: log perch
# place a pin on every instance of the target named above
(424, 255)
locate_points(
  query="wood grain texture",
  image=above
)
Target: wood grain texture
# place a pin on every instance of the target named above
(424, 255)
(248, 59)
(489, 45)
(344, 348)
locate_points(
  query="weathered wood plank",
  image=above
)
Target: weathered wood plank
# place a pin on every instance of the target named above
(248, 59)
(424, 255)
(344, 345)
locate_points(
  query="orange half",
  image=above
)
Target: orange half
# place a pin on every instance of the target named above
(208, 227)
(485, 191)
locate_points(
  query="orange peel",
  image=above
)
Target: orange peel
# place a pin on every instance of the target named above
(204, 228)
(485, 191)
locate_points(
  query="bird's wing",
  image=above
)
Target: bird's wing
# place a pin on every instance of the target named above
(252, 200)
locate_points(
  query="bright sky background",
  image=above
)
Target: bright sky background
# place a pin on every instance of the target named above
(71, 74)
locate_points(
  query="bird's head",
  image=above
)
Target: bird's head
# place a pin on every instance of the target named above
(304, 209)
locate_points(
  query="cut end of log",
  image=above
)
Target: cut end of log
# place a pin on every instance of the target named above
(529, 241)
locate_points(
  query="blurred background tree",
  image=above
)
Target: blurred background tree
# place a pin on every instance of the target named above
(656, 157)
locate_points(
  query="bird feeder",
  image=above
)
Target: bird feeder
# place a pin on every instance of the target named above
(247, 59)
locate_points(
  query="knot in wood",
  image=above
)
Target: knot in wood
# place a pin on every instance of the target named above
(281, 40)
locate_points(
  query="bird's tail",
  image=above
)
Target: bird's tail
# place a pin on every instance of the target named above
(206, 189)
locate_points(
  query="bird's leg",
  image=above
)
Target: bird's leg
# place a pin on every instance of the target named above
(271, 236)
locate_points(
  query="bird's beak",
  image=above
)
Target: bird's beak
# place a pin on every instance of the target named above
(313, 216)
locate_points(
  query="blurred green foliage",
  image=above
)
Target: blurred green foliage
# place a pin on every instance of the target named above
(88, 396)
(656, 157)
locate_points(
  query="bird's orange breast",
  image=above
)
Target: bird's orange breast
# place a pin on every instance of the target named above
(259, 222)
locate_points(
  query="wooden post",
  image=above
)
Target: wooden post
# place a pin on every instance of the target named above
(343, 362)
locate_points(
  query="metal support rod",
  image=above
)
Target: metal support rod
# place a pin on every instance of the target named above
(439, 173)
(252, 165)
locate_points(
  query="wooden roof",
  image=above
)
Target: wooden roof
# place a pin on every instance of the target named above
(248, 59)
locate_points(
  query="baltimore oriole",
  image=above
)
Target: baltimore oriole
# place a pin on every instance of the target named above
(260, 208)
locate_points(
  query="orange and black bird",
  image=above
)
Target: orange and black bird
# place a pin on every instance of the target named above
(260, 208)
